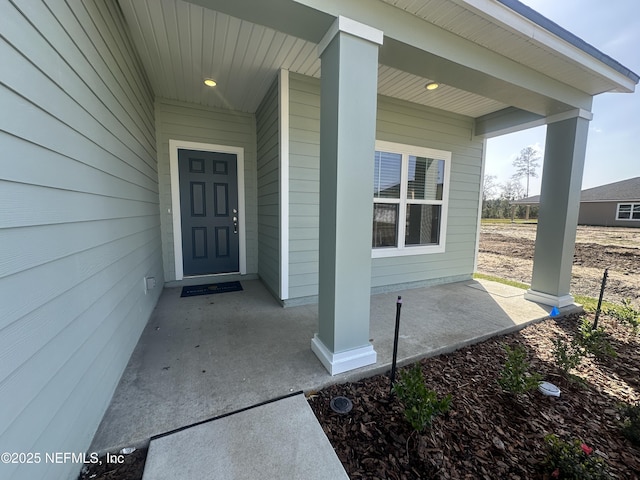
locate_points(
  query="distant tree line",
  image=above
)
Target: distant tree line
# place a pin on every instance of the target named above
(497, 197)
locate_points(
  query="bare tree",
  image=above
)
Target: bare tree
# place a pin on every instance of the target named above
(511, 190)
(489, 187)
(526, 165)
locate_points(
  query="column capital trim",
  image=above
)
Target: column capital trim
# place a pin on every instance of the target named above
(352, 27)
(577, 113)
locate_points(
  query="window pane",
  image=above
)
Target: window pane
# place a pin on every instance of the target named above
(636, 211)
(426, 178)
(385, 225)
(386, 179)
(423, 224)
(624, 211)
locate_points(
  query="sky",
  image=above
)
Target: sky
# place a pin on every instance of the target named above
(613, 145)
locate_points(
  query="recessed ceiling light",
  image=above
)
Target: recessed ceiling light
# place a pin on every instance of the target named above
(431, 85)
(209, 82)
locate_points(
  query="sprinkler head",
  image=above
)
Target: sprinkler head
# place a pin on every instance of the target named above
(341, 405)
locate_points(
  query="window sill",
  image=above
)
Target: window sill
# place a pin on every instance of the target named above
(406, 251)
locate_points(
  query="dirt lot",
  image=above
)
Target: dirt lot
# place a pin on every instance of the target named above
(506, 250)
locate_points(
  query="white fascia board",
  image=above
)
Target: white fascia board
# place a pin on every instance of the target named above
(498, 13)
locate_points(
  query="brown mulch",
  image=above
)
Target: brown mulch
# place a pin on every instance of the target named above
(489, 433)
(130, 469)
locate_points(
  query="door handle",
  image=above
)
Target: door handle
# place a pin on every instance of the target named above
(235, 225)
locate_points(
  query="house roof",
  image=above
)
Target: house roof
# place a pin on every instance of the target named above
(569, 37)
(625, 190)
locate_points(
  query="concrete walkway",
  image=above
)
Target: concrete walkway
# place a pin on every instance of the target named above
(280, 439)
(202, 357)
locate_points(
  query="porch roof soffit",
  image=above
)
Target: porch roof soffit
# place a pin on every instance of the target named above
(419, 47)
(182, 43)
(416, 45)
(422, 49)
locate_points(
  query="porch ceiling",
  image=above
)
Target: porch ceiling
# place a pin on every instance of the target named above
(181, 44)
(243, 43)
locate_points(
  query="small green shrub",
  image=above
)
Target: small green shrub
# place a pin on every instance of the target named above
(630, 415)
(420, 404)
(627, 314)
(515, 376)
(595, 340)
(568, 355)
(573, 460)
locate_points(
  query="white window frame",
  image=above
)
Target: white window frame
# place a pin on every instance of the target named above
(406, 151)
(630, 219)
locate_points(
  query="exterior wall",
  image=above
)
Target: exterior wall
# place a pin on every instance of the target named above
(267, 126)
(304, 185)
(404, 122)
(79, 223)
(603, 214)
(401, 122)
(195, 123)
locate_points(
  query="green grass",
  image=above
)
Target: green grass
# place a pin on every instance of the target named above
(504, 281)
(589, 303)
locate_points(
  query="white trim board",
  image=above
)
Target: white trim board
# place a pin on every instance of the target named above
(352, 27)
(174, 146)
(548, 299)
(283, 114)
(341, 362)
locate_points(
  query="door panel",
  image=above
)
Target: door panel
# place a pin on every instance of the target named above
(209, 212)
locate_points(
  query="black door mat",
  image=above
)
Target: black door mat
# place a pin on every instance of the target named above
(210, 288)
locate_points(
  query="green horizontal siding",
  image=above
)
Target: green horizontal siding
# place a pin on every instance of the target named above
(79, 222)
(268, 136)
(400, 122)
(304, 153)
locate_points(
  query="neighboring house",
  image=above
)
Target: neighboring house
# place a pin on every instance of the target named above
(120, 168)
(613, 205)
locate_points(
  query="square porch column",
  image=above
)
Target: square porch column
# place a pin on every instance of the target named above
(349, 56)
(565, 149)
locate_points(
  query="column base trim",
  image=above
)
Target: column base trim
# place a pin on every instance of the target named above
(336, 363)
(551, 300)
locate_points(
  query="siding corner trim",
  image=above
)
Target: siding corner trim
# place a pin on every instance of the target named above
(283, 114)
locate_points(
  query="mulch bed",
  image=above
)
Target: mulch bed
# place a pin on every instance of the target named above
(131, 469)
(488, 433)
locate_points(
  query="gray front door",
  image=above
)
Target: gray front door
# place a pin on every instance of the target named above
(209, 211)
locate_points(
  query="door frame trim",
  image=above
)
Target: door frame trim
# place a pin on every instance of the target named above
(174, 146)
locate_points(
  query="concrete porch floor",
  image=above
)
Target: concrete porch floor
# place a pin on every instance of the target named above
(201, 357)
